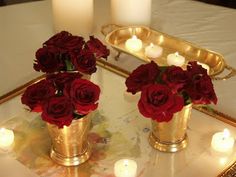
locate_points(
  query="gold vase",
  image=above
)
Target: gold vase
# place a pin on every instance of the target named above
(70, 146)
(171, 136)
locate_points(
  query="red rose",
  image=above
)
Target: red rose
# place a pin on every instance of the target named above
(84, 95)
(59, 40)
(201, 90)
(85, 62)
(58, 111)
(194, 69)
(159, 103)
(61, 79)
(47, 60)
(143, 75)
(175, 78)
(75, 43)
(36, 94)
(97, 47)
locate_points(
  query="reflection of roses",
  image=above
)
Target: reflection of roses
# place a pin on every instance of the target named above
(159, 103)
(58, 111)
(85, 62)
(145, 74)
(36, 94)
(84, 95)
(97, 47)
(201, 90)
(175, 78)
(47, 60)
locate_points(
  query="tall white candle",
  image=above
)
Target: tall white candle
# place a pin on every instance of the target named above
(131, 12)
(6, 139)
(125, 168)
(222, 141)
(74, 16)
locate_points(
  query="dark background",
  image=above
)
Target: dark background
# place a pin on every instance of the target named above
(226, 3)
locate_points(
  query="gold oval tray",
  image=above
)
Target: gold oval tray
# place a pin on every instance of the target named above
(117, 36)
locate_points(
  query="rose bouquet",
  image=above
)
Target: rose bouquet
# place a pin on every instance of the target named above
(65, 52)
(63, 96)
(166, 90)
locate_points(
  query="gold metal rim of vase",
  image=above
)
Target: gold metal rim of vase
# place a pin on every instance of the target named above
(72, 161)
(167, 146)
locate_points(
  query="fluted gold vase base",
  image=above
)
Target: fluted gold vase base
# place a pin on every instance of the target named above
(166, 146)
(71, 161)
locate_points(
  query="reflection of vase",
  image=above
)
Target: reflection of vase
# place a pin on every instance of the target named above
(171, 136)
(69, 144)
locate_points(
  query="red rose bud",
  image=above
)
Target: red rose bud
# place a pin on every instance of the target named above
(145, 74)
(98, 48)
(159, 103)
(58, 111)
(175, 78)
(84, 95)
(36, 94)
(85, 62)
(47, 60)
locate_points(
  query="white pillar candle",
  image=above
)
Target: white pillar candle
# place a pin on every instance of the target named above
(74, 16)
(134, 44)
(125, 168)
(131, 12)
(6, 139)
(175, 59)
(205, 66)
(153, 51)
(222, 141)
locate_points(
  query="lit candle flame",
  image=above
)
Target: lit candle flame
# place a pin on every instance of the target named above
(151, 44)
(134, 37)
(226, 133)
(176, 54)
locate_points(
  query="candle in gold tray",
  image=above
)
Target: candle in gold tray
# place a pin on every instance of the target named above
(153, 51)
(133, 44)
(175, 59)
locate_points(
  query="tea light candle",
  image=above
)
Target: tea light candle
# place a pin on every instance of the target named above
(175, 59)
(222, 141)
(125, 168)
(153, 51)
(205, 66)
(133, 44)
(74, 16)
(6, 139)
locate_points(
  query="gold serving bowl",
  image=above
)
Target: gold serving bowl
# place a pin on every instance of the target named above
(117, 36)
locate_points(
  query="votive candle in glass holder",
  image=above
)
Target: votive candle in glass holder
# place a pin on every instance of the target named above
(74, 16)
(131, 12)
